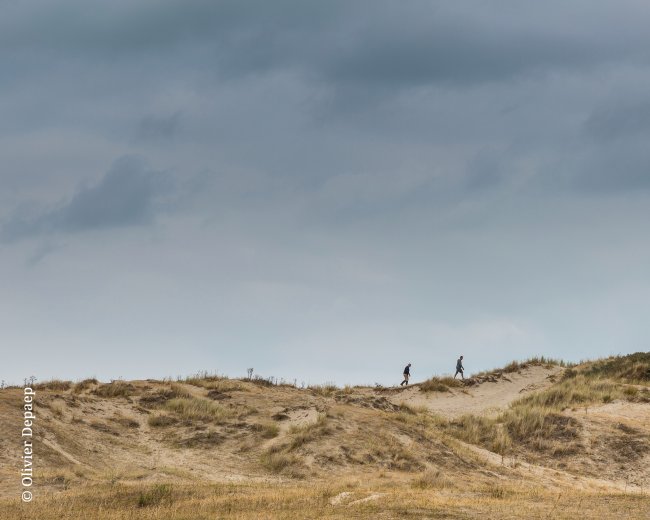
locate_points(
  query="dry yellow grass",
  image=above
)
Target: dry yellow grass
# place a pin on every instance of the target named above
(197, 409)
(360, 499)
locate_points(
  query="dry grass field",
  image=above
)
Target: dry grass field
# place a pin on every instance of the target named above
(532, 440)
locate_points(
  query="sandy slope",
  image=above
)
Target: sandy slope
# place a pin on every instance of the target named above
(484, 399)
(636, 415)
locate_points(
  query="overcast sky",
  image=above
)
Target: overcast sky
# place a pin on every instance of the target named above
(323, 190)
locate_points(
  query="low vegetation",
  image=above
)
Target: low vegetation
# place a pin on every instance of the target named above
(54, 385)
(268, 430)
(115, 389)
(161, 420)
(197, 409)
(517, 366)
(368, 498)
(84, 385)
(432, 479)
(439, 384)
(214, 382)
(288, 464)
(633, 368)
(155, 495)
(325, 390)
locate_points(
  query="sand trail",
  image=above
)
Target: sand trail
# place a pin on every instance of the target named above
(487, 398)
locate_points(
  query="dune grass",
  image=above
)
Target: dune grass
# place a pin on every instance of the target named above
(424, 497)
(84, 385)
(325, 390)
(197, 409)
(516, 366)
(55, 385)
(283, 463)
(161, 420)
(218, 383)
(115, 389)
(632, 368)
(439, 384)
(267, 430)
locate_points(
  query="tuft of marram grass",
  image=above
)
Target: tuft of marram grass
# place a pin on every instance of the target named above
(431, 479)
(84, 385)
(268, 430)
(161, 420)
(115, 389)
(221, 384)
(180, 391)
(54, 385)
(283, 463)
(326, 390)
(155, 495)
(439, 384)
(197, 409)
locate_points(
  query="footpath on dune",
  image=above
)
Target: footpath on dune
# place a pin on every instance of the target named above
(487, 398)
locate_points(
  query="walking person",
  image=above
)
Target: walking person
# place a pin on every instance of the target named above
(459, 367)
(407, 374)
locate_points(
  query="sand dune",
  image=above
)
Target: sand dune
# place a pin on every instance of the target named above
(487, 398)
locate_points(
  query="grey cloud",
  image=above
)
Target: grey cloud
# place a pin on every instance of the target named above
(378, 45)
(622, 166)
(155, 128)
(41, 252)
(125, 27)
(619, 122)
(457, 54)
(125, 196)
(613, 155)
(484, 171)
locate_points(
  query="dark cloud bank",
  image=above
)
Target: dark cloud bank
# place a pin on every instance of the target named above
(322, 188)
(125, 196)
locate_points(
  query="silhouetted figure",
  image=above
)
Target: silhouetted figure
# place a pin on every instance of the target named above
(407, 374)
(459, 368)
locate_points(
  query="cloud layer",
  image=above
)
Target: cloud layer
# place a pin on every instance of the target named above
(320, 190)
